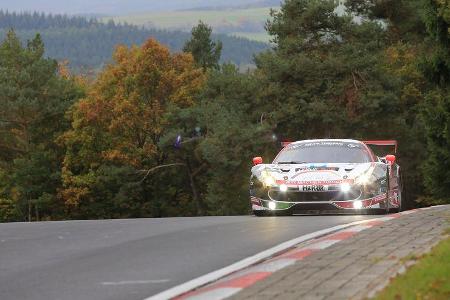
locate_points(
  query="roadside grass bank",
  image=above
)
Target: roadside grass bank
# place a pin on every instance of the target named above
(429, 278)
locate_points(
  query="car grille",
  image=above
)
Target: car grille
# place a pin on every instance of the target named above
(298, 196)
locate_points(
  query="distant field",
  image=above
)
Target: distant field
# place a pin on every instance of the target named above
(254, 36)
(248, 23)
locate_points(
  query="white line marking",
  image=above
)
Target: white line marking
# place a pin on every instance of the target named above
(215, 275)
(359, 228)
(135, 282)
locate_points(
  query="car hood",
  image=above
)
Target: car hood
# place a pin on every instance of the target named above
(298, 174)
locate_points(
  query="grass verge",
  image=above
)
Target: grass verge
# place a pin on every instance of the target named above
(428, 279)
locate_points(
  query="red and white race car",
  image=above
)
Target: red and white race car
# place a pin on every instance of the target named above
(326, 174)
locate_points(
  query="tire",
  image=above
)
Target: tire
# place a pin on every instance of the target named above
(265, 213)
(260, 213)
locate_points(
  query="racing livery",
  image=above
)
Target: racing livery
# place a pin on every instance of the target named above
(331, 174)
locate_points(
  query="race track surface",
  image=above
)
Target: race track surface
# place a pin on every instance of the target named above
(134, 259)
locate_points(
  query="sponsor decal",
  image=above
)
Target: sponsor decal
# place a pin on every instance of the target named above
(323, 182)
(317, 168)
(366, 203)
(322, 144)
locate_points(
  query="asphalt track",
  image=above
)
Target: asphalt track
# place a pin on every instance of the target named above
(134, 259)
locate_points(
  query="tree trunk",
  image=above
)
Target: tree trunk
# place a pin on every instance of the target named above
(29, 210)
(199, 203)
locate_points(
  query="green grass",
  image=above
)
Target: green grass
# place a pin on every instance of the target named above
(185, 20)
(428, 279)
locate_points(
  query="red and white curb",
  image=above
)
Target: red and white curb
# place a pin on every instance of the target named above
(230, 280)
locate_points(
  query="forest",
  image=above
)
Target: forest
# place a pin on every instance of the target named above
(88, 44)
(159, 133)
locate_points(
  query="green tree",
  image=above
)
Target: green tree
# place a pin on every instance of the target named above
(34, 99)
(206, 53)
(232, 132)
(326, 70)
(436, 65)
(330, 76)
(436, 110)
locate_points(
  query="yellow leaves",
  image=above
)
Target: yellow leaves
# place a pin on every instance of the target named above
(123, 115)
(73, 195)
(401, 60)
(64, 72)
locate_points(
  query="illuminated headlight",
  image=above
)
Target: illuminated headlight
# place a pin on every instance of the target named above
(283, 188)
(267, 179)
(272, 205)
(357, 205)
(345, 187)
(363, 179)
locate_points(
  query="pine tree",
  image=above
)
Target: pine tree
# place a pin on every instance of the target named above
(33, 101)
(206, 53)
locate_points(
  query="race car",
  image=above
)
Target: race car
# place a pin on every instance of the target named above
(337, 175)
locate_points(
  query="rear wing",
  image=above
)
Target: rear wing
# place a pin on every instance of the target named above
(383, 143)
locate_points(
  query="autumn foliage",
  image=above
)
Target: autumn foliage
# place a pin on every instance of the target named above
(122, 119)
(159, 134)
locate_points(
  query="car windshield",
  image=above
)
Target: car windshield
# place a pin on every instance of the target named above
(323, 152)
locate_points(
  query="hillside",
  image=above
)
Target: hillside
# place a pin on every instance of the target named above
(87, 43)
(119, 7)
(247, 21)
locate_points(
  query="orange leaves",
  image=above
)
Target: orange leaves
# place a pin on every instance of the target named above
(123, 116)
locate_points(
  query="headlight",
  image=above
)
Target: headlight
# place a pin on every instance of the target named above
(272, 205)
(267, 179)
(365, 178)
(345, 187)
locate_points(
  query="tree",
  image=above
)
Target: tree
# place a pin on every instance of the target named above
(331, 76)
(117, 129)
(206, 53)
(436, 109)
(327, 69)
(231, 133)
(34, 99)
(436, 65)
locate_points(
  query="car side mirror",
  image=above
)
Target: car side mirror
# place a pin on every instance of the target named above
(390, 159)
(257, 160)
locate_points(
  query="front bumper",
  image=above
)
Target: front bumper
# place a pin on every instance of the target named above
(376, 202)
(356, 197)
